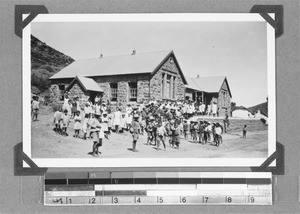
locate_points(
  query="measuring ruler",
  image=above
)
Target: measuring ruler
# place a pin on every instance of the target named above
(158, 188)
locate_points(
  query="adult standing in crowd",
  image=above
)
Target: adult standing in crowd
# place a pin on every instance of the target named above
(226, 123)
(135, 131)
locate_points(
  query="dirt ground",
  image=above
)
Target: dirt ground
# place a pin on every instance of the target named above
(47, 144)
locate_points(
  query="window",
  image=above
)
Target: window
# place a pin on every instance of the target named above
(61, 88)
(224, 98)
(132, 91)
(169, 87)
(162, 86)
(174, 87)
(113, 91)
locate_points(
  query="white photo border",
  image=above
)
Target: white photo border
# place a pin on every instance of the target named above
(148, 162)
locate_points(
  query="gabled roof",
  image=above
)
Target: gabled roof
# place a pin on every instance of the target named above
(139, 63)
(240, 108)
(207, 84)
(88, 84)
(263, 107)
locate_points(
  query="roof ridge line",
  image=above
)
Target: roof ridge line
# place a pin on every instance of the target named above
(208, 76)
(170, 50)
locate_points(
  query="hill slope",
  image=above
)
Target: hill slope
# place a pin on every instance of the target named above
(45, 62)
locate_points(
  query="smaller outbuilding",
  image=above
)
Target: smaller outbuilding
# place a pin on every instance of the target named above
(84, 88)
(241, 112)
(260, 111)
(210, 90)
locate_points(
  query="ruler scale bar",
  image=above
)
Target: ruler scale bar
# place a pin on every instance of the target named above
(137, 188)
(258, 181)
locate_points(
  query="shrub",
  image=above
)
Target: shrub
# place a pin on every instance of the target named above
(40, 79)
(263, 120)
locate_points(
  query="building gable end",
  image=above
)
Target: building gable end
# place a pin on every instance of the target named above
(170, 64)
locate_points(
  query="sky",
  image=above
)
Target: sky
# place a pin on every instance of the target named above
(237, 50)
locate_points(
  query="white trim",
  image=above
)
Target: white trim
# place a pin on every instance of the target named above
(148, 162)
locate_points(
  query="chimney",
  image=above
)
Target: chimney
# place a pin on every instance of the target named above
(133, 52)
(101, 55)
(198, 76)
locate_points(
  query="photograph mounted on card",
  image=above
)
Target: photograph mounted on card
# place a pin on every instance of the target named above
(149, 90)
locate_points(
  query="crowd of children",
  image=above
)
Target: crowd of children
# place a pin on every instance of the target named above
(162, 122)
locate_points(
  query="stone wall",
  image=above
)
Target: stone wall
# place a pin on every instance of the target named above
(236, 124)
(142, 81)
(77, 91)
(123, 92)
(106, 88)
(168, 68)
(143, 93)
(224, 100)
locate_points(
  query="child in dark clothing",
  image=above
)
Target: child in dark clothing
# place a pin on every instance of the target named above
(185, 129)
(244, 131)
(192, 130)
(194, 133)
(200, 132)
(150, 132)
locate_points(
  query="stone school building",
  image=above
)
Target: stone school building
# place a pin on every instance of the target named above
(135, 78)
(122, 79)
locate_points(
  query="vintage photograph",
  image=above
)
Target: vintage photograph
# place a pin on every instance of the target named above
(149, 90)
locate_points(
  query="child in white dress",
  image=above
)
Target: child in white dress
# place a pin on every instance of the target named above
(56, 119)
(85, 126)
(77, 125)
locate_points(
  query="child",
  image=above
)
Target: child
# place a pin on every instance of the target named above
(69, 108)
(154, 135)
(95, 129)
(194, 133)
(192, 130)
(87, 110)
(122, 124)
(185, 129)
(56, 119)
(101, 135)
(135, 130)
(244, 131)
(161, 132)
(209, 132)
(149, 130)
(104, 125)
(143, 125)
(74, 107)
(85, 125)
(200, 132)
(180, 127)
(205, 132)
(170, 130)
(35, 105)
(65, 120)
(218, 134)
(128, 119)
(97, 109)
(77, 125)
(176, 137)
(110, 120)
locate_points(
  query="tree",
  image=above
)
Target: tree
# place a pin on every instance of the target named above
(233, 105)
